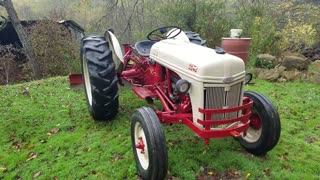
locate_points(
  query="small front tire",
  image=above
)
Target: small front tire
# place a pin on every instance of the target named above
(148, 144)
(264, 131)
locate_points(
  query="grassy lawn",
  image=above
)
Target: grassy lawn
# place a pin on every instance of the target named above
(47, 133)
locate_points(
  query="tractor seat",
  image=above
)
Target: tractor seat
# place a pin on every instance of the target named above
(144, 47)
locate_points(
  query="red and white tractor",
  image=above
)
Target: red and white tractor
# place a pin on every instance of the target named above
(199, 87)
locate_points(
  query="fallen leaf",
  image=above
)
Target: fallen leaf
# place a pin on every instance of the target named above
(267, 172)
(26, 93)
(3, 169)
(31, 156)
(82, 164)
(308, 140)
(29, 145)
(238, 173)
(288, 168)
(37, 174)
(11, 138)
(117, 156)
(201, 168)
(248, 175)
(210, 173)
(16, 145)
(284, 156)
(294, 113)
(54, 131)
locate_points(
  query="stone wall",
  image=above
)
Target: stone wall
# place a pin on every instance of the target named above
(288, 68)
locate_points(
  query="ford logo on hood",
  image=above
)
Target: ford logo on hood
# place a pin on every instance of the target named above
(228, 80)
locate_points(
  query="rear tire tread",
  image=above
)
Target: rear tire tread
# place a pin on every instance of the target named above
(96, 53)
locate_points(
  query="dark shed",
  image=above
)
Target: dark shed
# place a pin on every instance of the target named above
(9, 36)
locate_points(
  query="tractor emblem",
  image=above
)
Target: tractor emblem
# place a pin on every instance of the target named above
(193, 68)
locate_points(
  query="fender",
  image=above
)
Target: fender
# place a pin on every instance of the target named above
(115, 47)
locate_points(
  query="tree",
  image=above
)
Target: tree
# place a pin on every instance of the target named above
(7, 4)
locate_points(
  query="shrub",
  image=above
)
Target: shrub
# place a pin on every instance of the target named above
(12, 65)
(54, 48)
(263, 63)
(299, 25)
(297, 36)
(257, 21)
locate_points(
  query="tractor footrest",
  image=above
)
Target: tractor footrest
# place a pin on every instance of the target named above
(143, 92)
(76, 81)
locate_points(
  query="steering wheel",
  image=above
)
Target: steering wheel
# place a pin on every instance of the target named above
(164, 33)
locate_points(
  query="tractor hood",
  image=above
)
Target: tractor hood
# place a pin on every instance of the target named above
(198, 62)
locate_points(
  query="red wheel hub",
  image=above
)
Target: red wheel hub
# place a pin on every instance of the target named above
(140, 145)
(255, 121)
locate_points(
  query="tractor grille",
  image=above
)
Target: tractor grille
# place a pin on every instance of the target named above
(222, 97)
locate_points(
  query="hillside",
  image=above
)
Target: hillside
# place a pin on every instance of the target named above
(47, 133)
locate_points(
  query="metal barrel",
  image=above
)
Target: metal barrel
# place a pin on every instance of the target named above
(237, 46)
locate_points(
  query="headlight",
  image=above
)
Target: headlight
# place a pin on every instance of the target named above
(182, 86)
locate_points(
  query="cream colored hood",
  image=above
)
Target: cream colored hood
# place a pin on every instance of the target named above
(198, 62)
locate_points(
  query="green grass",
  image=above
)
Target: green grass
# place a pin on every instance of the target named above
(47, 132)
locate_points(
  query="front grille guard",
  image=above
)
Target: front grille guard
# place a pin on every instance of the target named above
(235, 130)
(239, 124)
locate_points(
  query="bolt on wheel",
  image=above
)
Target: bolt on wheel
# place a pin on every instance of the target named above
(255, 129)
(141, 146)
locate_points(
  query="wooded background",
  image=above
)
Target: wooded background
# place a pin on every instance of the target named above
(268, 22)
(275, 26)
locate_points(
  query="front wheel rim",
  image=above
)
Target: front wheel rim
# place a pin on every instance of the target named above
(254, 131)
(142, 152)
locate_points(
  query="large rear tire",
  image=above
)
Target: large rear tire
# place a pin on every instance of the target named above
(100, 80)
(149, 145)
(264, 131)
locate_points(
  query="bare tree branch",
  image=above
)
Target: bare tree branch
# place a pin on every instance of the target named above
(108, 12)
(129, 20)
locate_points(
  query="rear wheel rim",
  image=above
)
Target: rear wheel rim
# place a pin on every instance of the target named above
(255, 129)
(143, 155)
(87, 80)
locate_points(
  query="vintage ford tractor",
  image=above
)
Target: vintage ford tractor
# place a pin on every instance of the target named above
(199, 87)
